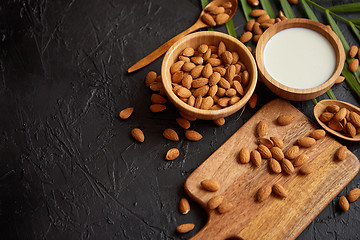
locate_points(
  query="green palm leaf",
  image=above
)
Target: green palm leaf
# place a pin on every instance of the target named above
(246, 9)
(287, 9)
(350, 7)
(267, 7)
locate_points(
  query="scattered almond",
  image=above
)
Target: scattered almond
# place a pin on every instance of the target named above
(126, 113)
(253, 101)
(307, 169)
(262, 129)
(245, 37)
(341, 153)
(210, 185)
(287, 166)
(353, 195)
(353, 65)
(343, 203)
(255, 158)
(306, 142)
(318, 134)
(244, 155)
(187, 116)
(157, 108)
(274, 166)
(192, 135)
(265, 141)
(138, 135)
(224, 207)
(172, 154)
(353, 51)
(184, 206)
(150, 78)
(264, 151)
(285, 119)
(184, 123)
(214, 202)
(171, 135)
(263, 193)
(277, 142)
(292, 152)
(279, 190)
(219, 121)
(156, 98)
(301, 160)
(277, 153)
(184, 228)
(354, 118)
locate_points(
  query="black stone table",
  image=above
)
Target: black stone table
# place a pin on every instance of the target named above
(69, 168)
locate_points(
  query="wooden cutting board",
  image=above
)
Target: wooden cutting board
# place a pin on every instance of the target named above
(274, 218)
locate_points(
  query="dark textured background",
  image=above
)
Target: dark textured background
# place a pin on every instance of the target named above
(69, 168)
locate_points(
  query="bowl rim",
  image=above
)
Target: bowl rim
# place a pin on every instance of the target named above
(301, 23)
(202, 113)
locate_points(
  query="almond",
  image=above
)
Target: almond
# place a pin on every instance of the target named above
(326, 117)
(340, 79)
(157, 108)
(192, 135)
(201, 91)
(335, 125)
(333, 108)
(184, 206)
(306, 142)
(207, 103)
(253, 3)
(224, 207)
(277, 142)
(294, 2)
(277, 153)
(187, 116)
(207, 71)
(208, 19)
(150, 78)
(231, 92)
(257, 12)
(221, 92)
(203, 48)
(244, 156)
(196, 71)
(343, 203)
(234, 100)
(245, 37)
(318, 134)
(213, 90)
(285, 119)
(197, 60)
(188, 66)
(199, 82)
(300, 160)
(230, 73)
(250, 25)
(264, 151)
(214, 78)
(354, 118)
(188, 52)
(221, 48)
(172, 154)
(184, 228)
(238, 88)
(126, 113)
(265, 141)
(176, 67)
(292, 152)
(353, 51)
(263, 193)
(274, 166)
(256, 29)
(279, 190)
(214, 61)
(255, 158)
(214, 202)
(224, 83)
(222, 18)
(353, 65)
(253, 101)
(287, 166)
(156, 98)
(341, 153)
(219, 121)
(198, 102)
(307, 169)
(210, 185)
(224, 101)
(340, 115)
(138, 135)
(177, 77)
(350, 129)
(353, 195)
(171, 135)
(262, 18)
(156, 86)
(183, 92)
(184, 123)
(262, 128)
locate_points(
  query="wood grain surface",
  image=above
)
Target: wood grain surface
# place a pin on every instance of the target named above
(273, 218)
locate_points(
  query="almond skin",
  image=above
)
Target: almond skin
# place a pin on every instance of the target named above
(192, 135)
(255, 158)
(306, 142)
(341, 153)
(279, 190)
(277, 153)
(126, 113)
(318, 134)
(307, 169)
(292, 152)
(263, 193)
(274, 166)
(343, 203)
(184, 228)
(214, 202)
(301, 160)
(184, 206)
(287, 166)
(264, 151)
(210, 185)
(353, 195)
(157, 108)
(285, 119)
(184, 123)
(262, 129)
(172, 154)
(224, 207)
(244, 155)
(171, 135)
(138, 135)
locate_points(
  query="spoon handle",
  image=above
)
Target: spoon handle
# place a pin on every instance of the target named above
(163, 48)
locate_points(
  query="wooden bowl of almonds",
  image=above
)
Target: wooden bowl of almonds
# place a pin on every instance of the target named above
(209, 75)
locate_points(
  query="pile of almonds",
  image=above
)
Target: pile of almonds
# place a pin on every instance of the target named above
(342, 120)
(217, 15)
(210, 77)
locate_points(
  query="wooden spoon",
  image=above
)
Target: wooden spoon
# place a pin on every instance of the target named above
(320, 108)
(197, 25)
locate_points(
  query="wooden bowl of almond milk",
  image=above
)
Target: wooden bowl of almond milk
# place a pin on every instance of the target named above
(299, 59)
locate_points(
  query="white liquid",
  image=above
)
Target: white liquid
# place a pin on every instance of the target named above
(299, 58)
